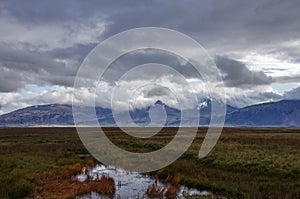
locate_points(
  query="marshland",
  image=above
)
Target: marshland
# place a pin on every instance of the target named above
(245, 163)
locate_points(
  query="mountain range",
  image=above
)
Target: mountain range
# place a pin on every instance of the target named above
(285, 113)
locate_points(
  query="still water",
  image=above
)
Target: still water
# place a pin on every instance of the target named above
(129, 184)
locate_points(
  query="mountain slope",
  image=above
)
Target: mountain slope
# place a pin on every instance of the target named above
(52, 114)
(284, 113)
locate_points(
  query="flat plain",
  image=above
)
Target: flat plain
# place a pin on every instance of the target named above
(245, 163)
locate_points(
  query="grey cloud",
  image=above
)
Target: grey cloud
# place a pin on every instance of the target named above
(136, 58)
(45, 68)
(77, 51)
(219, 25)
(292, 94)
(236, 74)
(35, 11)
(67, 81)
(157, 92)
(238, 24)
(288, 79)
(297, 60)
(227, 25)
(10, 80)
(268, 96)
(223, 27)
(26, 60)
(20, 65)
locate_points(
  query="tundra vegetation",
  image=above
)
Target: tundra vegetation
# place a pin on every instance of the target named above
(245, 163)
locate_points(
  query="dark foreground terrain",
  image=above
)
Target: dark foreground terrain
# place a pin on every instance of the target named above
(246, 163)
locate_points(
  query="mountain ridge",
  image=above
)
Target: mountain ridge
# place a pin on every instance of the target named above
(284, 113)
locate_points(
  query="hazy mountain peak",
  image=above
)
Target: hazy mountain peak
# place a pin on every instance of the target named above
(285, 113)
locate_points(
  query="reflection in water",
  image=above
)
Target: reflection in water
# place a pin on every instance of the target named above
(129, 184)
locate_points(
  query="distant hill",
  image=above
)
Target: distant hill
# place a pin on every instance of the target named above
(52, 114)
(284, 113)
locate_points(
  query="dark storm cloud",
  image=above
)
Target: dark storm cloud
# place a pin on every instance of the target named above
(77, 51)
(13, 80)
(36, 11)
(236, 74)
(20, 66)
(136, 58)
(10, 80)
(236, 21)
(234, 24)
(26, 60)
(222, 26)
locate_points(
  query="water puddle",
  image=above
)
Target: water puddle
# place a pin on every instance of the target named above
(129, 184)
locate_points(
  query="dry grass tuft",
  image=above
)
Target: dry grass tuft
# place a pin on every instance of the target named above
(90, 163)
(171, 192)
(105, 185)
(75, 168)
(70, 189)
(159, 191)
(174, 180)
(68, 186)
(155, 191)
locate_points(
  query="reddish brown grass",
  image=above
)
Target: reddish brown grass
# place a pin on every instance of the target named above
(105, 185)
(74, 169)
(155, 191)
(171, 192)
(174, 180)
(61, 184)
(90, 163)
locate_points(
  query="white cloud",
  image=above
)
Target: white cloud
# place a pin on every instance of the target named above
(16, 100)
(273, 64)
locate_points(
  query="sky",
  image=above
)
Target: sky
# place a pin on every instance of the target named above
(255, 46)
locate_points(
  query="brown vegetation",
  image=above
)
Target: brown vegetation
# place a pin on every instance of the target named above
(76, 168)
(155, 191)
(173, 179)
(62, 185)
(169, 191)
(245, 163)
(105, 185)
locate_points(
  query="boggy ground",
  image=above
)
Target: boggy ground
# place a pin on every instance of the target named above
(245, 163)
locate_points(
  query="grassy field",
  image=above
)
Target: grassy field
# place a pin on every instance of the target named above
(245, 163)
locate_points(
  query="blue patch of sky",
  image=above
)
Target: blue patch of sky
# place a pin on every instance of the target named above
(272, 70)
(36, 88)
